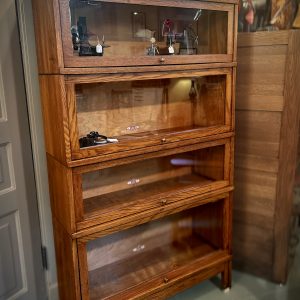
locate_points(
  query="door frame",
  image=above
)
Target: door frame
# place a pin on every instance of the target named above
(27, 39)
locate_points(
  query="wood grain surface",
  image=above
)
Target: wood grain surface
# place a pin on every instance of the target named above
(213, 141)
(139, 69)
(150, 215)
(287, 159)
(61, 194)
(47, 29)
(151, 257)
(55, 115)
(97, 230)
(67, 263)
(267, 118)
(264, 38)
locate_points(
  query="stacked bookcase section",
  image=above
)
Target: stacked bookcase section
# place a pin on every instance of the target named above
(138, 107)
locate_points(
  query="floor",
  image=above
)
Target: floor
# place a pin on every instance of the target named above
(247, 287)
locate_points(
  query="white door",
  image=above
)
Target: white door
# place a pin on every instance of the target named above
(21, 271)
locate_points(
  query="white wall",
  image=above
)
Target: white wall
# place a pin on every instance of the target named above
(37, 137)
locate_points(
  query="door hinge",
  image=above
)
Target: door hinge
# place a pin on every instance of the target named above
(44, 258)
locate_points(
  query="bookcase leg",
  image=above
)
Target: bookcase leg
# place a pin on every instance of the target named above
(226, 277)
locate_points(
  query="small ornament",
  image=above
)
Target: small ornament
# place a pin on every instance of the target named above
(171, 48)
(99, 48)
(193, 92)
(152, 50)
(167, 27)
(152, 40)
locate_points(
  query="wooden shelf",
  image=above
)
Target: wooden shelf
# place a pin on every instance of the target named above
(218, 135)
(157, 263)
(186, 132)
(168, 131)
(127, 199)
(153, 142)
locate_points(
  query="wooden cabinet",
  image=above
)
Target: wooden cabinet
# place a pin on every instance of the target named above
(267, 122)
(138, 106)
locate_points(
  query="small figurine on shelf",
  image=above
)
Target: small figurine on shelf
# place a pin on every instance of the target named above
(153, 49)
(168, 32)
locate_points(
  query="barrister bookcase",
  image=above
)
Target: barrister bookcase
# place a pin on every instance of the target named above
(138, 108)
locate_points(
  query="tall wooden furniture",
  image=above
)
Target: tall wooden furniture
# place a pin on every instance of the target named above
(144, 209)
(267, 118)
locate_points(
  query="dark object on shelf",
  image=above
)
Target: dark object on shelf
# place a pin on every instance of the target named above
(82, 29)
(87, 50)
(193, 91)
(75, 37)
(164, 51)
(94, 138)
(188, 42)
(80, 39)
(86, 142)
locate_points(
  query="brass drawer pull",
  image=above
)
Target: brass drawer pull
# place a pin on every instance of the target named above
(163, 140)
(162, 60)
(164, 202)
(166, 280)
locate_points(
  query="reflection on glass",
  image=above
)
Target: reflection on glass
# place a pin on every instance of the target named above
(127, 259)
(132, 109)
(122, 187)
(140, 30)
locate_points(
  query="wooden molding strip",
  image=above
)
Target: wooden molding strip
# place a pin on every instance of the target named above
(263, 38)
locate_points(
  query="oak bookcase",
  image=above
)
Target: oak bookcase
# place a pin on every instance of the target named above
(145, 210)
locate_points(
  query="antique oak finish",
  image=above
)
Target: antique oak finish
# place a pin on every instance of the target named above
(149, 215)
(267, 117)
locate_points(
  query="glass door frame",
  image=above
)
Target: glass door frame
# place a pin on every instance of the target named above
(164, 203)
(218, 260)
(93, 61)
(171, 140)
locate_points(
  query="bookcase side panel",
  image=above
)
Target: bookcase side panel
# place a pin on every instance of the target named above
(61, 194)
(48, 36)
(67, 264)
(56, 126)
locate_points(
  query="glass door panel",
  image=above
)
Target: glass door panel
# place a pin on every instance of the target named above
(130, 111)
(154, 252)
(131, 188)
(115, 33)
